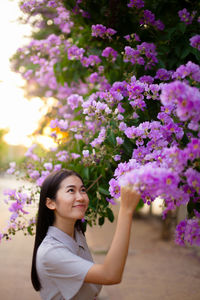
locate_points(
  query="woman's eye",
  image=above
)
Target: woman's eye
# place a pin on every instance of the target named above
(70, 190)
(83, 190)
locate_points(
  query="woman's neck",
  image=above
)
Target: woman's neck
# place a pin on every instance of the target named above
(66, 226)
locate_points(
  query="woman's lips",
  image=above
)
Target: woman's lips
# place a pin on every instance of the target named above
(80, 206)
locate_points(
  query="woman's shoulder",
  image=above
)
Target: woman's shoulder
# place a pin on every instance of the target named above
(49, 247)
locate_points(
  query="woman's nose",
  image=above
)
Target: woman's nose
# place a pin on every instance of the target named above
(79, 196)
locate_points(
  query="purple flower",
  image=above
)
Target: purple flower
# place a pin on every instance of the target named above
(119, 140)
(34, 174)
(63, 124)
(52, 3)
(136, 3)
(193, 179)
(117, 157)
(180, 232)
(48, 166)
(74, 52)
(94, 77)
(109, 53)
(62, 155)
(195, 41)
(159, 25)
(192, 151)
(110, 200)
(148, 17)
(57, 167)
(146, 79)
(85, 153)
(192, 232)
(135, 90)
(185, 16)
(127, 37)
(122, 126)
(11, 170)
(114, 188)
(75, 155)
(1, 236)
(163, 75)
(120, 108)
(98, 30)
(74, 100)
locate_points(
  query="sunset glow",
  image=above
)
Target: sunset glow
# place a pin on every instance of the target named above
(17, 114)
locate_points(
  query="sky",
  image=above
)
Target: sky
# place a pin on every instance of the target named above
(17, 114)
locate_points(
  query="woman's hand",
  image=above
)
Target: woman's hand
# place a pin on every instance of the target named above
(129, 198)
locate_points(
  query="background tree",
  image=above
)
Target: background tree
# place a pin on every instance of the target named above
(125, 76)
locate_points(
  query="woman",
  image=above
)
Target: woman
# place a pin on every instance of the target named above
(62, 266)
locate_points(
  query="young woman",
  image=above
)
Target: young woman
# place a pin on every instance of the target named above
(62, 266)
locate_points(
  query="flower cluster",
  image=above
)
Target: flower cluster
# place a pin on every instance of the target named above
(144, 51)
(101, 31)
(31, 5)
(18, 201)
(185, 98)
(190, 71)
(149, 19)
(188, 232)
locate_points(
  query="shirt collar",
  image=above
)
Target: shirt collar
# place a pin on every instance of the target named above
(67, 240)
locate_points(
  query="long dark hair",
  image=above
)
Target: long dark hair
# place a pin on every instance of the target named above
(45, 217)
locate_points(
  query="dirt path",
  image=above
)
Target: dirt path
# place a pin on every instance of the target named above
(155, 269)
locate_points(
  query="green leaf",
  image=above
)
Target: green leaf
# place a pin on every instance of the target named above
(196, 53)
(178, 50)
(185, 52)
(110, 214)
(170, 32)
(111, 137)
(182, 27)
(101, 221)
(86, 172)
(128, 146)
(29, 229)
(103, 191)
(140, 205)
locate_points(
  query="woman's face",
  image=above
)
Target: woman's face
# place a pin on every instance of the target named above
(71, 200)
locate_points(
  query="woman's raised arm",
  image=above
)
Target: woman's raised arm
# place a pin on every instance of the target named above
(110, 272)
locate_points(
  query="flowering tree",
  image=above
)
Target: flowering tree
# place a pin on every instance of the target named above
(125, 77)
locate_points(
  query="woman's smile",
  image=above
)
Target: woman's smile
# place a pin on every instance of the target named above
(80, 206)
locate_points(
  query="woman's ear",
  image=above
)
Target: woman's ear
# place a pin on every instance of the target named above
(50, 203)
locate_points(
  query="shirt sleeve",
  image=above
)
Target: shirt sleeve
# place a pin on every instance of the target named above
(66, 269)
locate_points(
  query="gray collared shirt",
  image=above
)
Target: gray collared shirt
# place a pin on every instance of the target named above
(62, 264)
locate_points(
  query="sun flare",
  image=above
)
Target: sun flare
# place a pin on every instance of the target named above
(17, 114)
